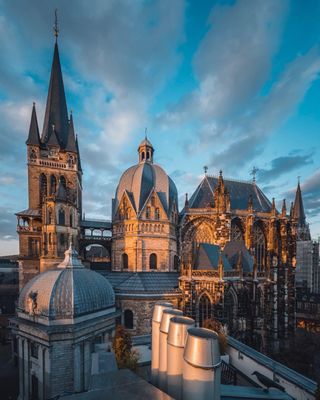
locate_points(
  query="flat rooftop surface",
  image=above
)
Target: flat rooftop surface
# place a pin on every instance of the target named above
(120, 385)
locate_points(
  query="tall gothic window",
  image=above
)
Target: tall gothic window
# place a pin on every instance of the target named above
(53, 184)
(229, 309)
(153, 261)
(157, 213)
(61, 217)
(236, 230)
(63, 181)
(125, 261)
(259, 243)
(43, 187)
(128, 319)
(176, 263)
(204, 309)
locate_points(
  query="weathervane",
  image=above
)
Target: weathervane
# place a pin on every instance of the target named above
(253, 172)
(55, 26)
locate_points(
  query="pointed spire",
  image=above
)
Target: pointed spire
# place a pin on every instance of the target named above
(284, 208)
(33, 137)
(71, 140)
(298, 209)
(78, 151)
(56, 108)
(186, 203)
(291, 210)
(273, 207)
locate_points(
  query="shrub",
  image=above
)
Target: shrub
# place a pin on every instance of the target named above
(122, 347)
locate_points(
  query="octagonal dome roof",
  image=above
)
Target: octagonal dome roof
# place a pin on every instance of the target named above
(67, 292)
(141, 179)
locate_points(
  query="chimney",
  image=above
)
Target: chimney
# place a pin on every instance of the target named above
(156, 319)
(201, 365)
(164, 329)
(176, 341)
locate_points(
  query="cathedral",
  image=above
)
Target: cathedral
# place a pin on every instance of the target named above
(228, 254)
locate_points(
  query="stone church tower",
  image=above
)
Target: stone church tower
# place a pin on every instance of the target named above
(54, 184)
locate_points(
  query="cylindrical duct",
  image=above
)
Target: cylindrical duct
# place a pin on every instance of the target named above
(201, 365)
(156, 319)
(176, 341)
(164, 329)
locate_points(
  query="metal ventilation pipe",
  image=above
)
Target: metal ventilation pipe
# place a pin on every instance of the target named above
(156, 319)
(201, 365)
(164, 329)
(176, 341)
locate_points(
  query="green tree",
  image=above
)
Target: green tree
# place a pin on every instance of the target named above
(216, 326)
(122, 347)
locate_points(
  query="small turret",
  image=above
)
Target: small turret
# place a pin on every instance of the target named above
(34, 136)
(284, 208)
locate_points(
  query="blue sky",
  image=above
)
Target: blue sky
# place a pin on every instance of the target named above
(228, 84)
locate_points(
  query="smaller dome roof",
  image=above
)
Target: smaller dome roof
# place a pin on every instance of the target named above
(145, 142)
(67, 292)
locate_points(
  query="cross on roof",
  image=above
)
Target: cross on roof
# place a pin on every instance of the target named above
(253, 172)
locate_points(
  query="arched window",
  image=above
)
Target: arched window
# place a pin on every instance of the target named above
(63, 181)
(142, 156)
(61, 217)
(148, 212)
(148, 155)
(70, 219)
(128, 319)
(49, 216)
(125, 261)
(43, 188)
(176, 263)
(259, 244)
(229, 309)
(153, 261)
(53, 184)
(236, 230)
(204, 309)
(157, 213)
(128, 214)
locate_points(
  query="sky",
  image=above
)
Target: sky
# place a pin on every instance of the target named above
(228, 84)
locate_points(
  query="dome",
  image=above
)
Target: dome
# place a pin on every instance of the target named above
(139, 180)
(67, 292)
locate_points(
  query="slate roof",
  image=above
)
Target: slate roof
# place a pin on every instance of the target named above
(142, 282)
(29, 212)
(207, 258)
(139, 181)
(235, 249)
(67, 292)
(87, 223)
(239, 195)
(34, 136)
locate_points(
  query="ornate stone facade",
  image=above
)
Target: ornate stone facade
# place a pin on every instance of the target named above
(261, 300)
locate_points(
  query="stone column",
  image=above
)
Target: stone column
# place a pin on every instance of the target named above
(77, 370)
(21, 367)
(87, 364)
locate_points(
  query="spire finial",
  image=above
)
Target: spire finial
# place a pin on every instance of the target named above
(205, 168)
(55, 26)
(145, 133)
(298, 179)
